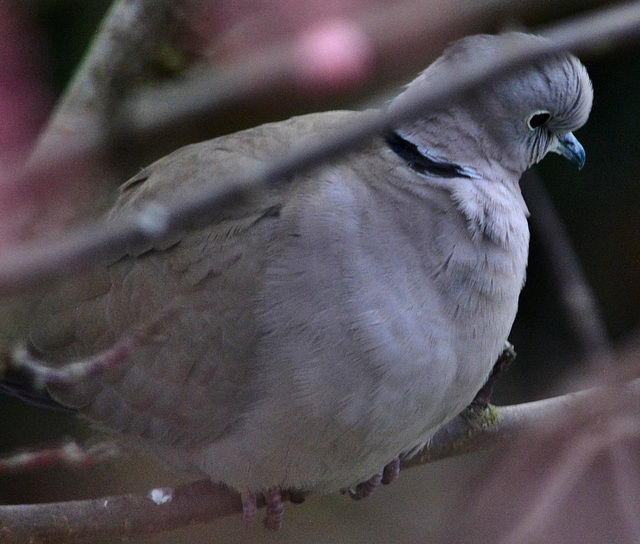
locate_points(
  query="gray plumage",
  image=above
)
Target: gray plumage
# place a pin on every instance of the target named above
(334, 322)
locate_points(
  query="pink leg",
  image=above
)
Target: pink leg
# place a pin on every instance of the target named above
(365, 489)
(275, 510)
(249, 508)
(391, 472)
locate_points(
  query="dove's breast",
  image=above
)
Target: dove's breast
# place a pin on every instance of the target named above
(382, 317)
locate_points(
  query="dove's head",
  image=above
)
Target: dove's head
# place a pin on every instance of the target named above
(513, 121)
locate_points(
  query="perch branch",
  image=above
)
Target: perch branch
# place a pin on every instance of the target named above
(130, 516)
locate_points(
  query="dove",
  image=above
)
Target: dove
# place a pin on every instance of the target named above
(328, 326)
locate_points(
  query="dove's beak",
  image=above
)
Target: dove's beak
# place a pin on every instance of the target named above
(569, 147)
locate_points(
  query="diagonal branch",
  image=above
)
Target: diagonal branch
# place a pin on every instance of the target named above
(401, 33)
(128, 43)
(25, 268)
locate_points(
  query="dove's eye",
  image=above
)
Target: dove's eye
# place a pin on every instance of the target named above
(538, 119)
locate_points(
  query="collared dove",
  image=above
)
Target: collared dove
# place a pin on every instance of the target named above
(331, 324)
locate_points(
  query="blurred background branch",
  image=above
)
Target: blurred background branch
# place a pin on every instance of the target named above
(135, 40)
(26, 267)
(578, 299)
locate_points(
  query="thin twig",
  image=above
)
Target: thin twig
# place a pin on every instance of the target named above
(70, 454)
(43, 375)
(72, 166)
(502, 427)
(25, 268)
(401, 33)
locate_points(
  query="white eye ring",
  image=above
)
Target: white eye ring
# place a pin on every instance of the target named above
(538, 119)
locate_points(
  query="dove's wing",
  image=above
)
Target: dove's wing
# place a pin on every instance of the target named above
(197, 369)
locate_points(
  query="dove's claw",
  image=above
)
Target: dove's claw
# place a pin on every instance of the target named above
(275, 510)
(391, 472)
(249, 508)
(365, 489)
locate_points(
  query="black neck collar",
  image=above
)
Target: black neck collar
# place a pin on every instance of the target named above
(419, 162)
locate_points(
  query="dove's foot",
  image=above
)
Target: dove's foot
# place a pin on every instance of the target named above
(391, 472)
(483, 397)
(366, 489)
(275, 510)
(249, 507)
(274, 501)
